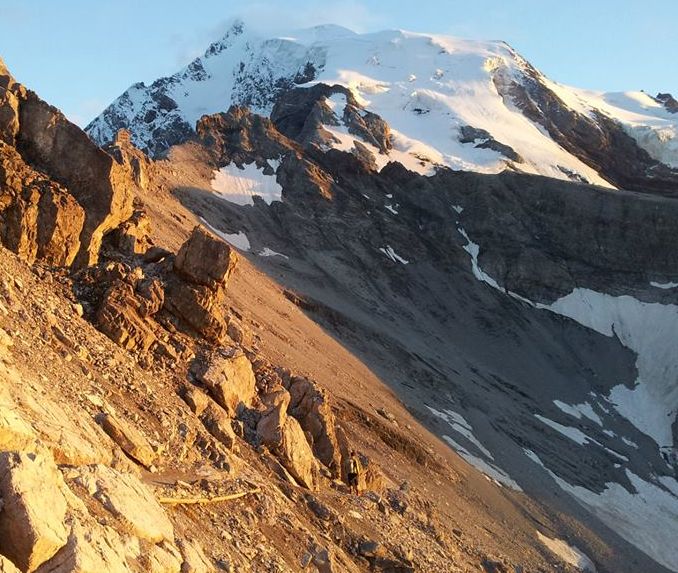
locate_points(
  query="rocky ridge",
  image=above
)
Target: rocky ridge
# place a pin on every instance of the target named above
(61, 193)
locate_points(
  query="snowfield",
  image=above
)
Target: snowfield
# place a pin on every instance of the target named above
(649, 329)
(241, 185)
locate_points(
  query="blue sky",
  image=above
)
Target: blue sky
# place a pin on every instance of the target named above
(81, 54)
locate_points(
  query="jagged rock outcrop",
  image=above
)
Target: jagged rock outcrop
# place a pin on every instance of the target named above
(187, 290)
(669, 102)
(310, 405)
(197, 307)
(103, 187)
(215, 419)
(598, 140)
(483, 140)
(60, 192)
(301, 113)
(39, 219)
(241, 136)
(284, 435)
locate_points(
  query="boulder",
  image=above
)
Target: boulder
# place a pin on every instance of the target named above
(34, 507)
(276, 396)
(197, 400)
(205, 260)
(91, 548)
(296, 454)
(311, 406)
(215, 419)
(230, 380)
(119, 317)
(129, 500)
(130, 440)
(238, 332)
(286, 439)
(270, 426)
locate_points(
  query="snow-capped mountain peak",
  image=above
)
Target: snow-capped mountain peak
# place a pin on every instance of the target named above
(461, 104)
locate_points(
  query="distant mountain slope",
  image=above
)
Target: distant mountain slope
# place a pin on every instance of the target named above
(467, 105)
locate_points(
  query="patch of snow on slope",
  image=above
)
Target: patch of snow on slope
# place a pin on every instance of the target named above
(485, 467)
(239, 240)
(266, 252)
(473, 249)
(577, 435)
(664, 286)
(574, 434)
(241, 185)
(646, 517)
(391, 254)
(579, 410)
(460, 425)
(571, 555)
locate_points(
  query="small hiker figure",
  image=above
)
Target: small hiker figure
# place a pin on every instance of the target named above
(354, 470)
